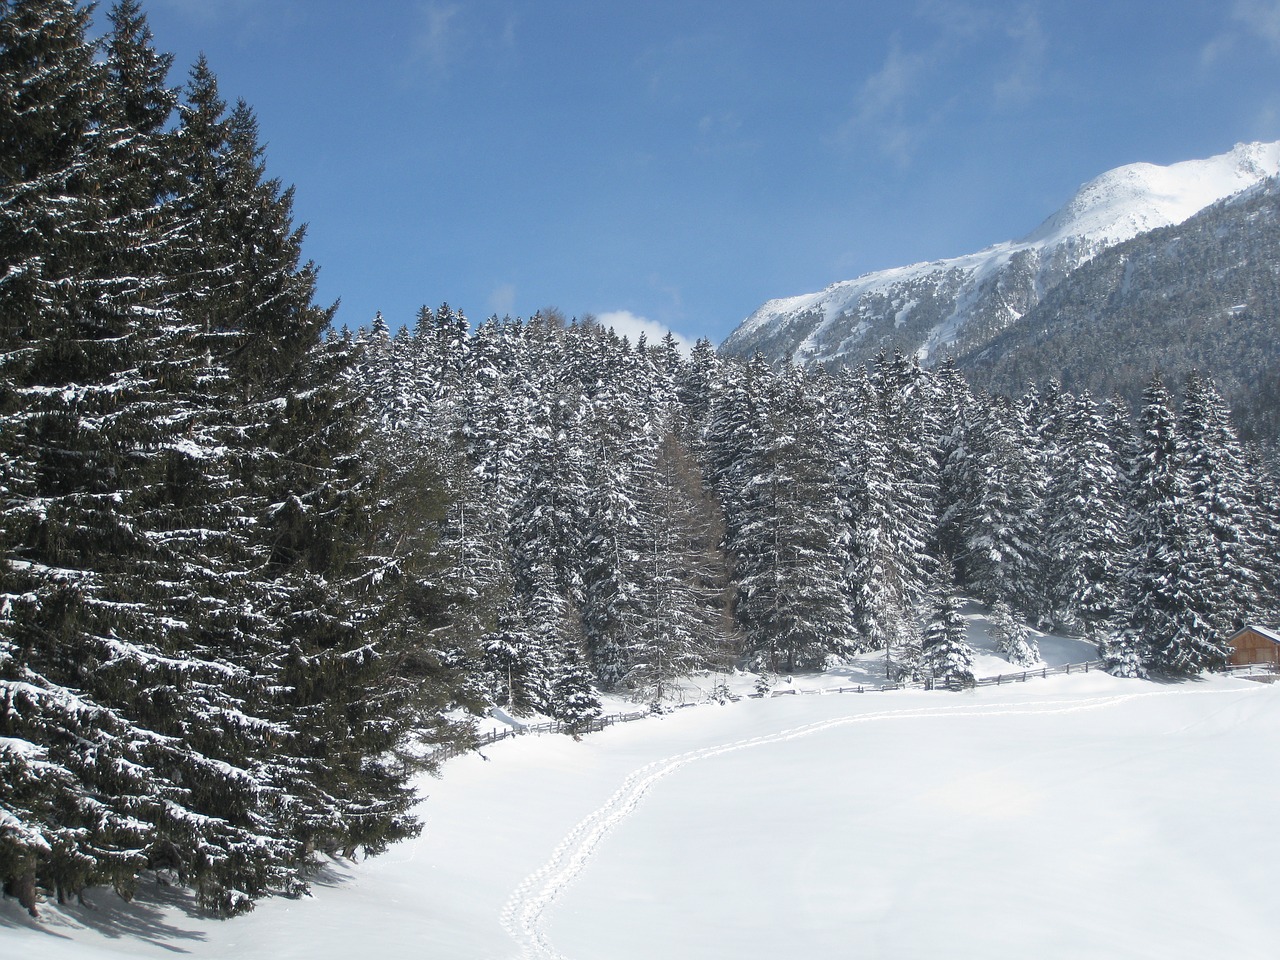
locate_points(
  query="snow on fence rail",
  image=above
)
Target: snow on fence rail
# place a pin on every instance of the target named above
(440, 754)
(1065, 668)
(1252, 670)
(443, 753)
(930, 683)
(1234, 668)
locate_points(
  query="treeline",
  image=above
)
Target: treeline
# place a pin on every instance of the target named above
(214, 647)
(649, 514)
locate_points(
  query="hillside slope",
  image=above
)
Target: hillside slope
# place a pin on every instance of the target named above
(958, 305)
(1202, 295)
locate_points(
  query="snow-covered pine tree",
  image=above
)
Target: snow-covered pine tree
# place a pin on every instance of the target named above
(612, 443)
(574, 700)
(548, 514)
(782, 519)
(883, 443)
(432, 421)
(903, 661)
(546, 524)
(874, 578)
(1266, 509)
(515, 670)
(1084, 524)
(1012, 636)
(418, 594)
(499, 402)
(94, 649)
(187, 524)
(1001, 550)
(1214, 464)
(946, 654)
(957, 483)
(1125, 654)
(681, 575)
(100, 435)
(909, 429)
(1171, 574)
(345, 662)
(694, 389)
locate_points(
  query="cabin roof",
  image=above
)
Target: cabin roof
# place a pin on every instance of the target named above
(1271, 634)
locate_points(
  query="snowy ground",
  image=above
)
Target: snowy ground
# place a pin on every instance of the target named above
(1071, 816)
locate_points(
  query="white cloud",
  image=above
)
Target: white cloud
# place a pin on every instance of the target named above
(627, 324)
(1260, 18)
(963, 21)
(882, 103)
(442, 36)
(927, 74)
(1256, 19)
(508, 38)
(721, 130)
(503, 299)
(438, 42)
(887, 90)
(1022, 82)
(1217, 49)
(246, 20)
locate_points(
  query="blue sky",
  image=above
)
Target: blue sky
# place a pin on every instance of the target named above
(685, 161)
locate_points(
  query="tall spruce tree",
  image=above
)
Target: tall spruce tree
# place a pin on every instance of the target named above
(1002, 557)
(946, 653)
(1171, 572)
(1214, 463)
(782, 511)
(887, 513)
(681, 574)
(76, 312)
(198, 667)
(1084, 524)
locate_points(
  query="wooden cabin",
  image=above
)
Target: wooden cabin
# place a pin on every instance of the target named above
(1255, 644)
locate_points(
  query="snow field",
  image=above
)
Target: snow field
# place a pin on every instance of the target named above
(1068, 817)
(1084, 825)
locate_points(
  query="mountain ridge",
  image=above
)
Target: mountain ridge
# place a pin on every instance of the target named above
(959, 303)
(1199, 295)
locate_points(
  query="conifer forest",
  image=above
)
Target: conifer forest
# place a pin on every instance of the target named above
(255, 571)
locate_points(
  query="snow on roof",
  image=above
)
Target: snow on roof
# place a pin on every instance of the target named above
(1270, 634)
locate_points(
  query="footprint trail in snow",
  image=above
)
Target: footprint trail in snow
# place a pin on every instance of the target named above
(525, 914)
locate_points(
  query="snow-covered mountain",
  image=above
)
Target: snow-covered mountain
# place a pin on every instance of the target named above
(1197, 295)
(956, 305)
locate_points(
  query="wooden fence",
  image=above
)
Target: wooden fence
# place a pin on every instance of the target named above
(1234, 668)
(930, 683)
(1266, 672)
(440, 754)
(443, 753)
(1066, 668)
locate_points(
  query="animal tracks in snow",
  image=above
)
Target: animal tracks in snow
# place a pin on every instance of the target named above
(524, 916)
